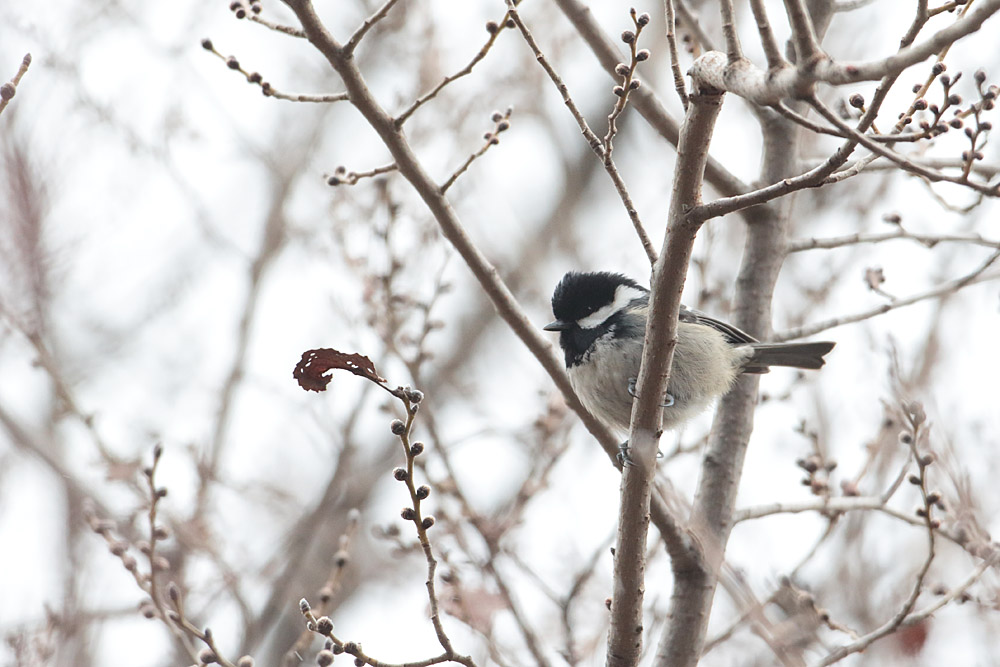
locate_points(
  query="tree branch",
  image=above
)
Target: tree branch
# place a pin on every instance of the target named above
(675, 59)
(949, 287)
(600, 149)
(803, 34)
(669, 273)
(485, 273)
(645, 99)
(767, 40)
(769, 87)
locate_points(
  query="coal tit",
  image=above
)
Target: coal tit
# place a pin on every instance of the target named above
(601, 320)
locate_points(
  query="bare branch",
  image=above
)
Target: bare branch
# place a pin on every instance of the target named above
(439, 206)
(628, 81)
(917, 430)
(807, 47)
(767, 88)
(367, 25)
(928, 240)
(501, 123)
(734, 52)
(675, 59)
(692, 24)
(9, 89)
(265, 87)
(344, 176)
(771, 50)
(669, 274)
(277, 27)
(592, 139)
(898, 158)
(944, 289)
(494, 30)
(807, 123)
(329, 590)
(645, 100)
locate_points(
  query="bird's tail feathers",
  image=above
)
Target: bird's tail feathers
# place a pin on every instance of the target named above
(794, 355)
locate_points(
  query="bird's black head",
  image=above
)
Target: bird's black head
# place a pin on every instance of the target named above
(589, 305)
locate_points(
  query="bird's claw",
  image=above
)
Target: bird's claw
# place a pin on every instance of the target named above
(623, 456)
(624, 459)
(668, 398)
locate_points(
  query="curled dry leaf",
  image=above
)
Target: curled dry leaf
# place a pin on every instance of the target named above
(874, 277)
(312, 371)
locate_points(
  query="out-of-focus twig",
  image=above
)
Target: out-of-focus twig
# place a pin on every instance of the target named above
(592, 139)
(977, 275)
(675, 58)
(9, 89)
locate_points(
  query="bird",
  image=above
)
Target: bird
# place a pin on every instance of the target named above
(601, 321)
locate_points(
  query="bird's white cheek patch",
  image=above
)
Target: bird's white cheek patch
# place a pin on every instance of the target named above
(623, 296)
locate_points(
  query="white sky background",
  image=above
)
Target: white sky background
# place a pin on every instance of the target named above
(147, 148)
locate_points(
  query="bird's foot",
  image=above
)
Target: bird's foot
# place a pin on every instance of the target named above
(623, 456)
(624, 459)
(668, 399)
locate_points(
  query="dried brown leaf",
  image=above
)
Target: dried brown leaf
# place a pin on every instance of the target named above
(312, 371)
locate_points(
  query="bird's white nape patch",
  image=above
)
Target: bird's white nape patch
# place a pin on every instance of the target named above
(624, 295)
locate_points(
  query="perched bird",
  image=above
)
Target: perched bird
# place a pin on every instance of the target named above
(601, 320)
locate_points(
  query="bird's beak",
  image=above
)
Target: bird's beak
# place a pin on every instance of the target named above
(558, 325)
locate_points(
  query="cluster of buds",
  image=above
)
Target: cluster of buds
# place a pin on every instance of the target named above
(493, 27)
(976, 135)
(911, 437)
(817, 474)
(627, 71)
(233, 63)
(333, 646)
(239, 8)
(401, 429)
(950, 100)
(935, 122)
(501, 123)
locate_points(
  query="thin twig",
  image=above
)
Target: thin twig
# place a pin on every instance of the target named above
(329, 590)
(494, 28)
(646, 102)
(491, 540)
(628, 82)
(807, 123)
(767, 39)
(501, 124)
(343, 176)
(928, 240)
(592, 139)
(675, 59)
(277, 27)
(975, 276)
(734, 51)
(9, 89)
(693, 25)
(957, 591)
(367, 25)
(916, 418)
(898, 158)
(265, 87)
(949, 6)
(803, 34)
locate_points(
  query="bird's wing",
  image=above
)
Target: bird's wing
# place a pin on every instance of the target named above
(733, 335)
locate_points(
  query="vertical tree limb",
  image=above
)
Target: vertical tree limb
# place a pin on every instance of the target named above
(669, 273)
